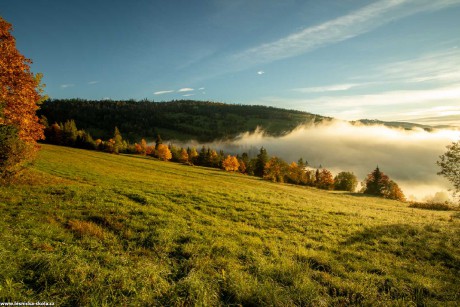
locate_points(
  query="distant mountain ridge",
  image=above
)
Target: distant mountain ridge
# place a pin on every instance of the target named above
(184, 119)
(394, 124)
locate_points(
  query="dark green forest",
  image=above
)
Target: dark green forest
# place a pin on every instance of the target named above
(180, 120)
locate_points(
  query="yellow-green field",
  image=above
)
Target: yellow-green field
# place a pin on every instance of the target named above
(89, 228)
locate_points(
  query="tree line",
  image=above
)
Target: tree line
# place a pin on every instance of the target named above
(269, 168)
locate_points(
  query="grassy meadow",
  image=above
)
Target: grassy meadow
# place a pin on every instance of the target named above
(94, 229)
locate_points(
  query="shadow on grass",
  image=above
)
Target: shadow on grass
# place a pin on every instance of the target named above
(406, 241)
(356, 194)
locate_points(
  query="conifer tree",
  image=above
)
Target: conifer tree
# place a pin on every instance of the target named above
(158, 141)
(261, 161)
(379, 184)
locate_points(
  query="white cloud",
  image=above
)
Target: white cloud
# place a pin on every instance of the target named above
(188, 95)
(260, 72)
(340, 29)
(201, 89)
(162, 92)
(185, 89)
(67, 85)
(93, 82)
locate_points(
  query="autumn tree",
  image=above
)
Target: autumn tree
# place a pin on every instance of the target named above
(192, 155)
(70, 132)
(345, 181)
(20, 95)
(450, 165)
(214, 158)
(296, 173)
(183, 156)
(275, 170)
(163, 152)
(142, 147)
(117, 141)
(379, 184)
(230, 164)
(325, 180)
(393, 191)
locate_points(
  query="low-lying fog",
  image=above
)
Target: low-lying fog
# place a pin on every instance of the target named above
(407, 157)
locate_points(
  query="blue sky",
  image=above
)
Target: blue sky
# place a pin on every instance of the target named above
(350, 59)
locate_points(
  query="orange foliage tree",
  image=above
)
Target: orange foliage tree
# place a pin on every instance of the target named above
(20, 95)
(325, 180)
(230, 164)
(183, 156)
(275, 170)
(163, 152)
(142, 147)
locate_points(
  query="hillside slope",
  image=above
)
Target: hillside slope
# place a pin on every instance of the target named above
(181, 120)
(89, 228)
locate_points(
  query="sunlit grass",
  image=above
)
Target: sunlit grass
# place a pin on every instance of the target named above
(88, 228)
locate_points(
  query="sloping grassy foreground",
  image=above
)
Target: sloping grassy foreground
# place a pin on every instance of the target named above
(88, 228)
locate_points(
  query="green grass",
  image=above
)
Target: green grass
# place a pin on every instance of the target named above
(89, 228)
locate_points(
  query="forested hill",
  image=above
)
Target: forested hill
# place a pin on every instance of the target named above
(182, 120)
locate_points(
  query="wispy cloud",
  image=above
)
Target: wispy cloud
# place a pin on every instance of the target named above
(260, 72)
(67, 85)
(185, 89)
(162, 92)
(439, 66)
(327, 88)
(340, 29)
(188, 95)
(93, 82)
(201, 89)
(443, 94)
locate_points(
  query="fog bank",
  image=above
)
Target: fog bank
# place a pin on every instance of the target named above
(408, 157)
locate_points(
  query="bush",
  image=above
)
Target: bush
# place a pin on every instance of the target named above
(432, 206)
(345, 181)
(13, 153)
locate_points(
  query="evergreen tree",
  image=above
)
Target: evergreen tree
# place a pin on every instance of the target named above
(375, 182)
(379, 184)
(158, 141)
(261, 161)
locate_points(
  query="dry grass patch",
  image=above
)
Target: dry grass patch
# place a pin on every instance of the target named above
(83, 228)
